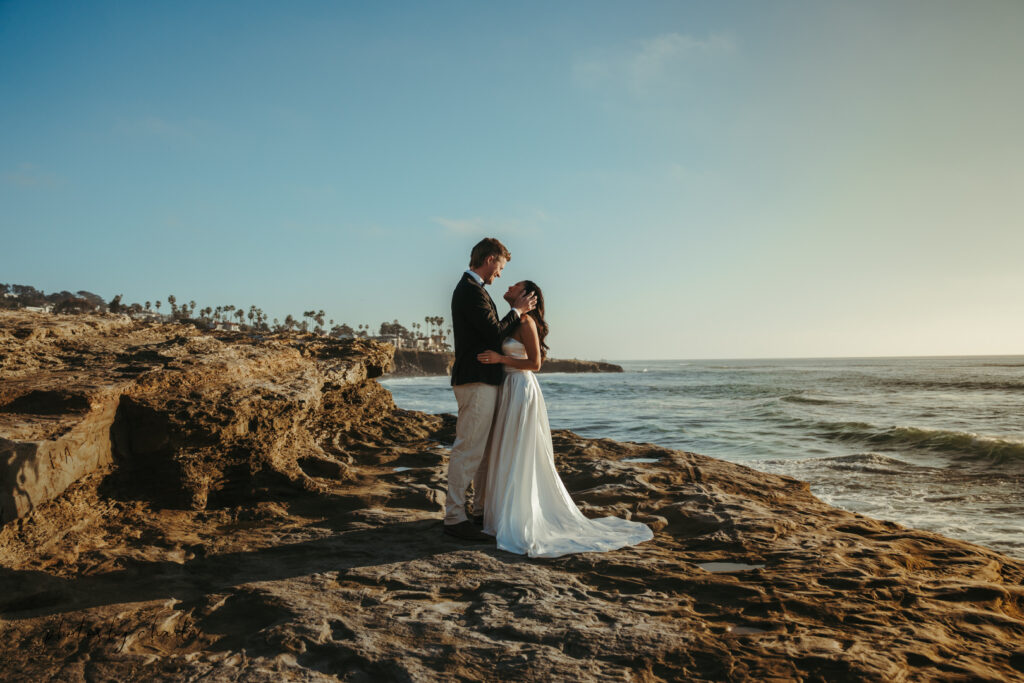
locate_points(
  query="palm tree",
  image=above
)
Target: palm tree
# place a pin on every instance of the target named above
(147, 305)
(157, 306)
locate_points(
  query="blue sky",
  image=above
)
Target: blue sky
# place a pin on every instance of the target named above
(684, 179)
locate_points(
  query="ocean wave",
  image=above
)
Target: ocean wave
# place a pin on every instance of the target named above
(951, 385)
(965, 445)
(872, 463)
(809, 400)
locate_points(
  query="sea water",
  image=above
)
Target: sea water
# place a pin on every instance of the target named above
(932, 443)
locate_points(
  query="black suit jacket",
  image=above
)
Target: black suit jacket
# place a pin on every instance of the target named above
(476, 328)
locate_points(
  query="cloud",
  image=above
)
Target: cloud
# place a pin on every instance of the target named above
(377, 230)
(650, 62)
(492, 227)
(461, 226)
(30, 175)
(155, 126)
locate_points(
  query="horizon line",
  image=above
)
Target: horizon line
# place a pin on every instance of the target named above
(879, 357)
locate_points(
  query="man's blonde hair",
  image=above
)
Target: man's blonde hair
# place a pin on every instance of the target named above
(488, 246)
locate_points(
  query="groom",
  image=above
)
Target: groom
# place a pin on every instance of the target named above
(477, 328)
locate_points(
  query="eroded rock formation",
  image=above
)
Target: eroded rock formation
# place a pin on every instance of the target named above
(262, 511)
(185, 415)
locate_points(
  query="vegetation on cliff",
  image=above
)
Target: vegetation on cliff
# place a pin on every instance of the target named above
(432, 333)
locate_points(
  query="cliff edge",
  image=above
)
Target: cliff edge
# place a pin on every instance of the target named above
(186, 506)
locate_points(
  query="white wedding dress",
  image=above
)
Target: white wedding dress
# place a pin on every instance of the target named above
(526, 506)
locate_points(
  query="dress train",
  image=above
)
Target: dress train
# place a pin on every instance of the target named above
(527, 508)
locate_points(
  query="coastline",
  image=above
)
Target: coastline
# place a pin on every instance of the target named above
(260, 509)
(879, 438)
(416, 363)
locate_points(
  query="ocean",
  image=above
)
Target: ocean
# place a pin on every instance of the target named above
(931, 443)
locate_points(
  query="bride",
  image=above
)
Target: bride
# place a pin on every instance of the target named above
(526, 507)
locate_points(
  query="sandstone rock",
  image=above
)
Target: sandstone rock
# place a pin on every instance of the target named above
(186, 416)
(52, 438)
(268, 514)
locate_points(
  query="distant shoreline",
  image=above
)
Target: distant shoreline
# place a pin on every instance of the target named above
(415, 363)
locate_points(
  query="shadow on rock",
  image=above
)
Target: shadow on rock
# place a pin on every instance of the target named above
(33, 593)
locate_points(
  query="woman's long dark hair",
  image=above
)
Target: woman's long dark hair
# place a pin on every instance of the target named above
(530, 287)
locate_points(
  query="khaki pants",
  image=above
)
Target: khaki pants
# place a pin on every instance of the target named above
(477, 402)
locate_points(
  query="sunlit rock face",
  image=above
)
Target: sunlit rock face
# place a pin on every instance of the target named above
(184, 506)
(184, 415)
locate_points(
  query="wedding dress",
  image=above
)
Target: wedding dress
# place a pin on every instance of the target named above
(526, 506)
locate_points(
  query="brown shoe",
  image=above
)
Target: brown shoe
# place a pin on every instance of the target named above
(466, 531)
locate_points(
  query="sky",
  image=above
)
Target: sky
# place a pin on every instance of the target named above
(682, 179)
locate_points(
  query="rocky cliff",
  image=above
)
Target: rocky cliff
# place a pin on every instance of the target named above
(573, 365)
(415, 363)
(186, 416)
(180, 506)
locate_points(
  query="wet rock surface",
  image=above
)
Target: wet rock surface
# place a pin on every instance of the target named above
(266, 513)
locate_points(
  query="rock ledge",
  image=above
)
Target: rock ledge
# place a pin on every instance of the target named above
(262, 511)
